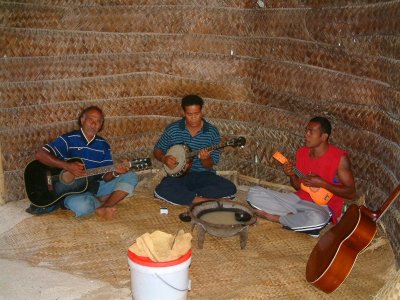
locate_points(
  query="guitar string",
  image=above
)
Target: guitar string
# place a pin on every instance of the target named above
(103, 170)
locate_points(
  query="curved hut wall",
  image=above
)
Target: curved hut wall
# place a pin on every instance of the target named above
(263, 71)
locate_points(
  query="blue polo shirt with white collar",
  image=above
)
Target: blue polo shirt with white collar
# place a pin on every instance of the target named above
(94, 153)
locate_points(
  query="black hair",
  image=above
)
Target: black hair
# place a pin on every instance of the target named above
(326, 126)
(87, 109)
(192, 100)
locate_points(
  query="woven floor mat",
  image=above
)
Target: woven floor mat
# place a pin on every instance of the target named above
(271, 267)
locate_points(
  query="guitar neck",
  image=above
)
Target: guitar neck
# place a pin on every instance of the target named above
(379, 213)
(212, 148)
(110, 168)
(298, 172)
(283, 160)
(100, 170)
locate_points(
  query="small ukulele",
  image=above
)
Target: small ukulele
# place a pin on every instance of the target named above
(320, 196)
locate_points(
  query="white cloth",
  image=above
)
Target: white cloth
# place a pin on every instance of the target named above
(160, 246)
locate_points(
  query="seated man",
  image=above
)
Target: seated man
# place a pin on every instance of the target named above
(103, 193)
(325, 166)
(200, 182)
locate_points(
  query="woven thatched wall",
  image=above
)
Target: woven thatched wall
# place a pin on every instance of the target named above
(262, 71)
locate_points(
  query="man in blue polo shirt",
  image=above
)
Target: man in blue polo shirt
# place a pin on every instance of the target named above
(200, 182)
(103, 192)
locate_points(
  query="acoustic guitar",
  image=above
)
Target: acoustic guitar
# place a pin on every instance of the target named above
(334, 255)
(45, 185)
(320, 196)
(184, 155)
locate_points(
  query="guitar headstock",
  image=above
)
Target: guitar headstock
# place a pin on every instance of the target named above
(279, 157)
(237, 142)
(141, 163)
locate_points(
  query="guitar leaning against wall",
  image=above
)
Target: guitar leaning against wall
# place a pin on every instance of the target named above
(334, 255)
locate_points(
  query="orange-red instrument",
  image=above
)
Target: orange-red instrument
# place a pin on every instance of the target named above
(320, 196)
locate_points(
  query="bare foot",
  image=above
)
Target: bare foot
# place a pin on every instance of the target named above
(265, 215)
(200, 199)
(107, 213)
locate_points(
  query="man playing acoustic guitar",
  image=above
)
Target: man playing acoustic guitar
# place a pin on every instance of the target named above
(325, 167)
(106, 190)
(199, 182)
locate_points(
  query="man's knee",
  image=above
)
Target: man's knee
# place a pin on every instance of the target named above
(127, 183)
(231, 188)
(130, 178)
(253, 197)
(82, 205)
(164, 193)
(319, 217)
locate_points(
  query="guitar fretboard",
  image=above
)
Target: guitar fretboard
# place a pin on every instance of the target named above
(379, 213)
(101, 170)
(136, 164)
(298, 173)
(195, 153)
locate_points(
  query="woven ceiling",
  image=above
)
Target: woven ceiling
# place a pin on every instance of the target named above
(263, 71)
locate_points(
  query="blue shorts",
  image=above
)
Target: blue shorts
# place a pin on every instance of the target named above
(86, 203)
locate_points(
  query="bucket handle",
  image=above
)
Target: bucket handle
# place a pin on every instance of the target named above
(175, 288)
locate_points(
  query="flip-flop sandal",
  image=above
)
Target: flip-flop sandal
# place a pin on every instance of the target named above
(185, 217)
(242, 216)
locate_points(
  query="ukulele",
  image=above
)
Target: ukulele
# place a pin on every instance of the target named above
(46, 185)
(334, 255)
(320, 196)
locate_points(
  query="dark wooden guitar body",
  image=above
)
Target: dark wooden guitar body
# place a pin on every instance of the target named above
(337, 250)
(334, 255)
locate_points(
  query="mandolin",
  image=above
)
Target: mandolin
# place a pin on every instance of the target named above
(334, 255)
(45, 185)
(320, 196)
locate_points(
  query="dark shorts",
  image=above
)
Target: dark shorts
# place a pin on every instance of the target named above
(182, 190)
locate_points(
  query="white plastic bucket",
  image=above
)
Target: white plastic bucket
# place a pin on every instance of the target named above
(159, 280)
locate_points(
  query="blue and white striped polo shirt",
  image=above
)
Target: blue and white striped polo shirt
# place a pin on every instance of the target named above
(177, 133)
(94, 153)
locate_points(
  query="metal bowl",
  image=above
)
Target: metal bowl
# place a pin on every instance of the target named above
(199, 210)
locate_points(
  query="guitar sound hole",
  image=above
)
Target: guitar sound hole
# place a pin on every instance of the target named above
(67, 178)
